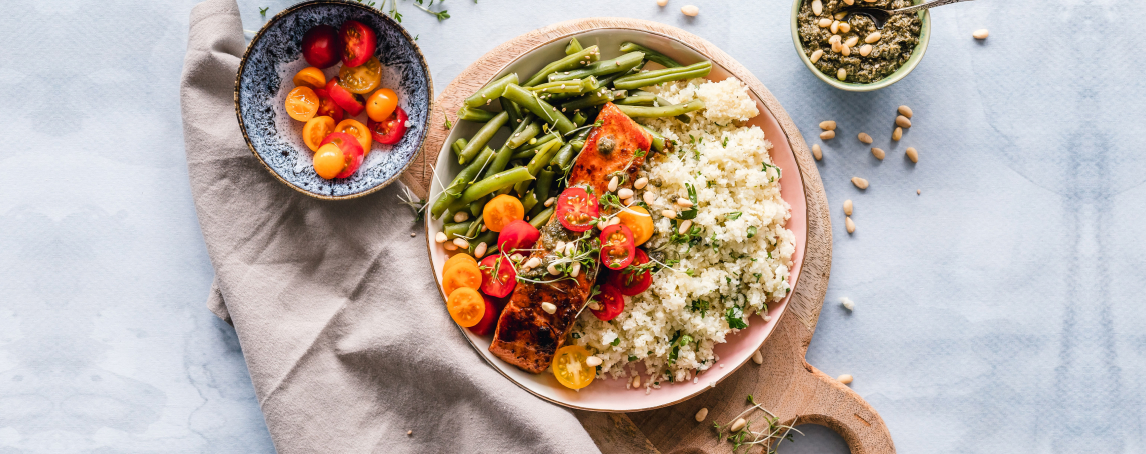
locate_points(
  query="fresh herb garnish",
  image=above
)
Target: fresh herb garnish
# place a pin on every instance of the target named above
(735, 317)
(733, 215)
(448, 124)
(615, 342)
(263, 11)
(751, 231)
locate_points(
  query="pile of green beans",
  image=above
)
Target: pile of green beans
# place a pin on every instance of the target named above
(549, 117)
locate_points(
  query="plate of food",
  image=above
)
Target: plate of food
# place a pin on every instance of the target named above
(617, 222)
(333, 98)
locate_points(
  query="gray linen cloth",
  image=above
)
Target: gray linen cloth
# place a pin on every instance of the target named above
(347, 340)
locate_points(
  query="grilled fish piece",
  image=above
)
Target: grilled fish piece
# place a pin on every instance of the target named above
(526, 335)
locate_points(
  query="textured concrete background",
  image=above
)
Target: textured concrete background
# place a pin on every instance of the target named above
(999, 311)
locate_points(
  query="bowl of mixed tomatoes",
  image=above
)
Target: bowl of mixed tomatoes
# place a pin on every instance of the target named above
(333, 98)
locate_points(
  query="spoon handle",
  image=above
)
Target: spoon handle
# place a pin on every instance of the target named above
(932, 4)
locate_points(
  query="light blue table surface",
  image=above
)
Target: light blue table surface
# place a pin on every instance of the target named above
(999, 311)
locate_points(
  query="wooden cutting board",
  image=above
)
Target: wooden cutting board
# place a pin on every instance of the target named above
(785, 383)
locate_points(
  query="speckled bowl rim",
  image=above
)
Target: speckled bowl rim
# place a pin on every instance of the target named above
(417, 50)
(899, 74)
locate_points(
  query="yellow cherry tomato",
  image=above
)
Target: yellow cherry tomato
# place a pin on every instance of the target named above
(361, 79)
(302, 103)
(641, 224)
(456, 259)
(571, 368)
(310, 77)
(463, 274)
(329, 161)
(358, 130)
(502, 210)
(381, 104)
(466, 306)
(316, 130)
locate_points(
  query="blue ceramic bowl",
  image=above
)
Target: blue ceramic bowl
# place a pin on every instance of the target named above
(265, 77)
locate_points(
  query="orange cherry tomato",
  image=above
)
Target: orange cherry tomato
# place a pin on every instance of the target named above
(310, 77)
(641, 224)
(463, 274)
(466, 306)
(502, 210)
(361, 79)
(456, 259)
(351, 152)
(316, 130)
(329, 161)
(302, 103)
(381, 104)
(358, 130)
(571, 367)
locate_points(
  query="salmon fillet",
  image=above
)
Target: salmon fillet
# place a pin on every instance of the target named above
(526, 335)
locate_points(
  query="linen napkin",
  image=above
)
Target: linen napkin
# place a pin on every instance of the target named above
(348, 343)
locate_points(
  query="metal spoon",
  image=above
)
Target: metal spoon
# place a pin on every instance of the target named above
(881, 16)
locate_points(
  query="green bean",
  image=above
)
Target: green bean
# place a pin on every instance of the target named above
(579, 119)
(458, 145)
(478, 115)
(572, 61)
(530, 151)
(659, 76)
(577, 145)
(475, 226)
(527, 130)
(567, 86)
(592, 99)
(495, 182)
(608, 80)
(542, 109)
(542, 218)
(544, 184)
(658, 140)
(573, 47)
(565, 154)
(642, 100)
(477, 206)
(491, 91)
(456, 230)
(488, 237)
(615, 65)
(500, 160)
(544, 155)
(650, 54)
(529, 201)
(478, 141)
(452, 192)
(515, 115)
(662, 111)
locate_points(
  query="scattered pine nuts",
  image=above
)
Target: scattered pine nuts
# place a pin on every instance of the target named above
(576, 269)
(548, 307)
(450, 247)
(828, 135)
(817, 9)
(409, 432)
(878, 153)
(846, 51)
(829, 125)
(480, 250)
(902, 121)
(852, 41)
(836, 39)
(669, 214)
(649, 197)
(550, 201)
(850, 2)
(701, 415)
(873, 37)
(533, 262)
(816, 152)
(981, 33)
(684, 226)
(552, 269)
(616, 220)
(865, 50)
(842, 74)
(662, 2)
(461, 216)
(624, 193)
(847, 303)
(736, 426)
(897, 134)
(863, 137)
(441, 237)
(593, 361)
(840, 15)
(613, 184)
(816, 54)
(837, 46)
(641, 183)
(825, 23)
(627, 202)
(835, 26)
(757, 357)
(905, 111)
(918, 192)
(845, 27)
(913, 154)
(461, 243)
(690, 10)
(636, 381)
(845, 379)
(859, 182)
(848, 207)
(412, 234)
(851, 225)
(684, 202)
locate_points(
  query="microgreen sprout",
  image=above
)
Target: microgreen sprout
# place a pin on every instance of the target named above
(747, 438)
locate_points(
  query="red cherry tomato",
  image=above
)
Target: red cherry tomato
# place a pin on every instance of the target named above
(351, 149)
(617, 246)
(327, 107)
(489, 319)
(321, 46)
(358, 43)
(630, 282)
(610, 301)
(576, 210)
(497, 276)
(517, 234)
(390, 130)
(353, 103)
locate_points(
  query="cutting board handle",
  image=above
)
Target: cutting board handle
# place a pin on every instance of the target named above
(825, 401)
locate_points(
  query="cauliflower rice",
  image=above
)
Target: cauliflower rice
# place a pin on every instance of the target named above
(735, 264)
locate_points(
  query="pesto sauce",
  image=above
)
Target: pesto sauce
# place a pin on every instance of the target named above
(898, 41)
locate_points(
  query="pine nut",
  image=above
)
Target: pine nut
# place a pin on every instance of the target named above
(913, 154)
(902, 122)
(461, 243)
(576, 269)
(842, 74)
(684, 226)
(613, 184)
(549, 308)
(825, 23)
(816, 152)
(846, 51)
(852, 41)
(817, 7)
(863, 137)
(624, 193)
(850, 2)
(850, 225)
(873, 37)
(840, 15)
(905, 111)
(865, 50)
(917, 192)
(636, 381)
(559, 247)
(848, 205)
(878, 153)
(897, 134)
(615, 221)
(649, 197)
(480, 250)
(641, 183)
(701, 415)
(550, 201)
(684, 202)
(757, 357)
(602, 224)
(533, 262)
(690, 10)
(829, 125)
(827, 135)
(837, 47)
(845, 27)
(570, 249)
(662, 2)
(845, 379)
(441, 237)
(835, 39)
(736, 426)
(981, 33)
(816, 54)
(593, 361)
(516, 257)
(450, 247)
(552, 269)
(669, 214)
(627, 202)
(835, 26)
(859, 182)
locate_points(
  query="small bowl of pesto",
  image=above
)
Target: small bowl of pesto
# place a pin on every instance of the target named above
(848, 51)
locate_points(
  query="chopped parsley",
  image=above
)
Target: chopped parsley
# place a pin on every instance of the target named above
(735, 317)
(616, 342)
(751, 231)
(733, 215)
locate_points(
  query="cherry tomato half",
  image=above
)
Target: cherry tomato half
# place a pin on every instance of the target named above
(617, 247)
(358, 43)
(517, 235)
(316, 130)
(321, 46)
(310, 77)
(302, 103)
(502, 210)
(381, 104)
(359, 131)
(456, 259)
(464, 274)
(390, 131)
(640, 223)
(488, 320)
(571, 367)
(466, 306)
(351, 151)
(610, 303)
(352, 102)
(361, 79)
(576, 210)
(329, 161)
(497, 276)
(629, 281)
(327, 107)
